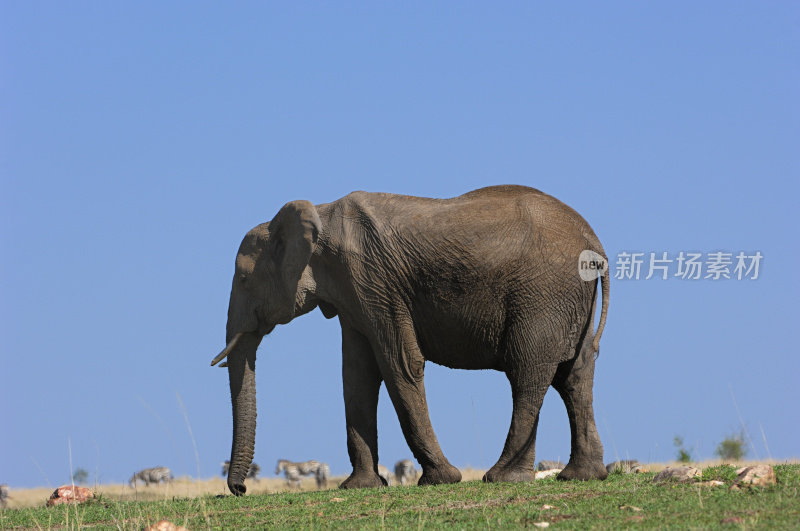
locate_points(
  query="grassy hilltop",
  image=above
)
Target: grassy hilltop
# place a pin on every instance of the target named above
(630, 500)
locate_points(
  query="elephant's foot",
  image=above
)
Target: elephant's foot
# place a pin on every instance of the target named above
(364, 480)
(446, 473)
(584, 470)
(508, 474)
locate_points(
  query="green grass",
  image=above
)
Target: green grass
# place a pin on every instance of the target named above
(622, 501)
(726, 473)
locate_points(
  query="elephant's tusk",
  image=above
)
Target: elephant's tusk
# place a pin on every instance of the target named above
(227, 350)
(223, 364)
(220, 356)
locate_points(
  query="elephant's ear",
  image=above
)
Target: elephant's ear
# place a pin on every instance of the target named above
(295, 230)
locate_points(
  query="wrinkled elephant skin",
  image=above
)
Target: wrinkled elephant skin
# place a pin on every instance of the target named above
(486, 280)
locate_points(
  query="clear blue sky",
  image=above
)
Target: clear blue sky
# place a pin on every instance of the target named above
(140, 141)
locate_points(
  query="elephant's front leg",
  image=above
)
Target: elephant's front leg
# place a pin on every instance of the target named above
(362, 381)
(402, 368)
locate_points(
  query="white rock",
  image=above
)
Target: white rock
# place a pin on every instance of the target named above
(755, 476)
(546, 473)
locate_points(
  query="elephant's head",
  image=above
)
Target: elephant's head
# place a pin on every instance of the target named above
(267, 290)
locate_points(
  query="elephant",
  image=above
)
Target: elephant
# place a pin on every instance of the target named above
(486, 280)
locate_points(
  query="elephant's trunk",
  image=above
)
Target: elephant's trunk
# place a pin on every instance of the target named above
(242, 376)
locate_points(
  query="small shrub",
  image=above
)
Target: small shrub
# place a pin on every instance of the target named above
(80, 475)
(683, 454)
(725, 473)
(732, 448)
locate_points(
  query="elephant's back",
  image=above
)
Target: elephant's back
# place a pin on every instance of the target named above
(495, 223)
(553, 221)
(492, 205)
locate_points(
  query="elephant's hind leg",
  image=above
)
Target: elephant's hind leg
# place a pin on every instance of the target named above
(574, 380)
(528, 387)
(362, 382)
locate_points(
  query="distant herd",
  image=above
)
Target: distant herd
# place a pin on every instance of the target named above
(404, 473)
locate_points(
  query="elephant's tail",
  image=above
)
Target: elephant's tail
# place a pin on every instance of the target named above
(605, 281)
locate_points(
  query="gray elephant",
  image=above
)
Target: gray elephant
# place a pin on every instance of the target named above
(486, 280)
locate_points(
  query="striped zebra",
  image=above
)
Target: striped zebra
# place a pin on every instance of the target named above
(295, 471)
(151, 475)
(404, 471)
(384, 473)
(625, 467)
(252, 472)
(3, 496)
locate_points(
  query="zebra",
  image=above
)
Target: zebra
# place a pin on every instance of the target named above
(252, 472)
(3, 495)
(294, 471)
(384, 473)
(404, 471)
(625, 467)
(151, 475)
